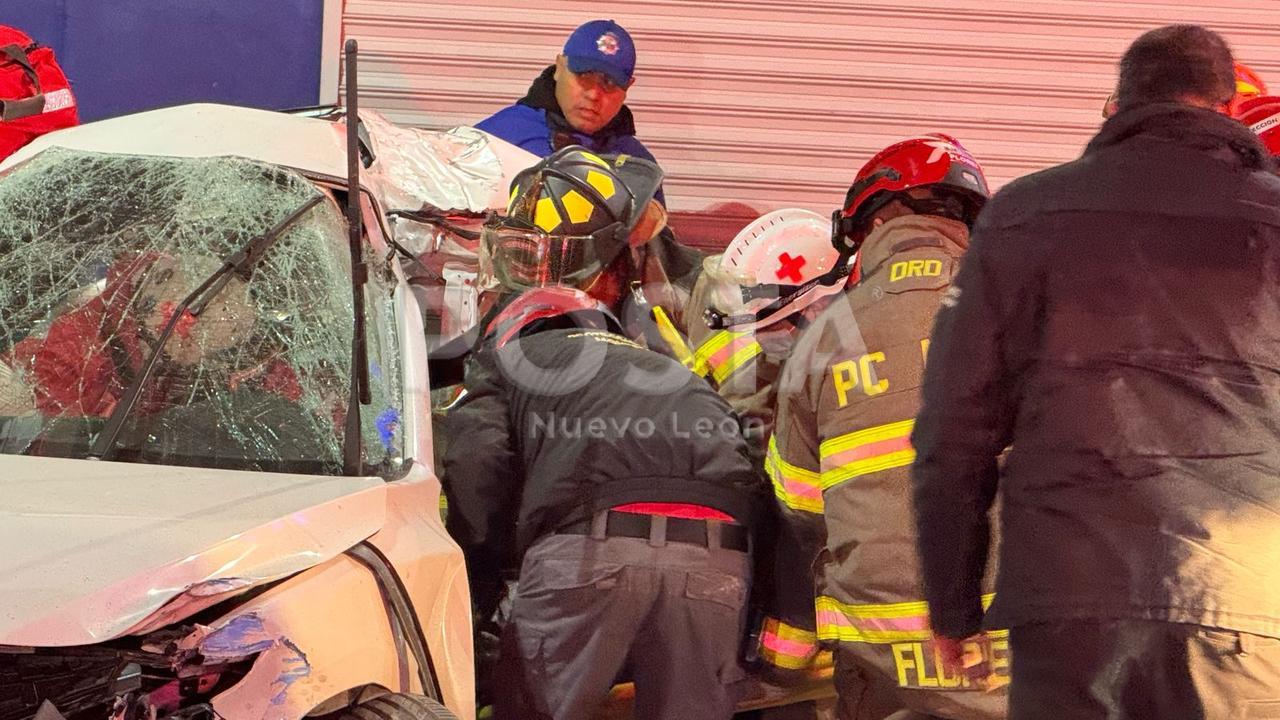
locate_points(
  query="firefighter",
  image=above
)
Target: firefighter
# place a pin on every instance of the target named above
(579, 220)
(1262, 115)
(622, 484)
(576, 219)
(840, 453)
(772, 279)
(605, 207)
(750, 302)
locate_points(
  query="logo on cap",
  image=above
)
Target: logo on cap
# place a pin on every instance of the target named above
(607, 44)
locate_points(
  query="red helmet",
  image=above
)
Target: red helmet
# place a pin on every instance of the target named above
(1262, 116)
(1248, 86)
(545, 303)
(934, 160)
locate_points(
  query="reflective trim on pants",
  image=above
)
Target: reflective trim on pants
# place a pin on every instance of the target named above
(881, 623)
(786, 646)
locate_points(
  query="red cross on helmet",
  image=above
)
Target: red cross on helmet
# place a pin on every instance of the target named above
(775, 267)
(934, 161)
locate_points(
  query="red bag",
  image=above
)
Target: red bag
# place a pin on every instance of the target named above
(35, 96)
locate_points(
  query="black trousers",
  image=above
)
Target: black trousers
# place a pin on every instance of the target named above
(1142, 670)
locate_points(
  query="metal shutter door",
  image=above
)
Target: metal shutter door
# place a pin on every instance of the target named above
(778, 103)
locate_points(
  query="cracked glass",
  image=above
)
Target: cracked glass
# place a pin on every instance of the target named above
(97, 253)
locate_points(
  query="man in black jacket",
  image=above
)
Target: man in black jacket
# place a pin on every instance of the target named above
(622, 483)
(1117, 322)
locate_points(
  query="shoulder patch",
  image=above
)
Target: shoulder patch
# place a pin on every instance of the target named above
(930, 271)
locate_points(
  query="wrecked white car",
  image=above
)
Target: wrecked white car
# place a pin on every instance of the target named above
(203, 513)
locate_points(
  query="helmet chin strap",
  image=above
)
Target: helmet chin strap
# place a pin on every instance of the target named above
(717, 320)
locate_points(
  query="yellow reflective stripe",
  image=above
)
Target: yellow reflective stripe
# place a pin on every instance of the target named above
(722, 371)
(791, 632)
(879, 624)
(786, 646)
(863, 437)
(671, 335)
(795, 487)
(724, 352)
(713, 344)
(866, 451)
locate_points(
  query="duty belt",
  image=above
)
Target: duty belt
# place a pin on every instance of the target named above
(681, 530)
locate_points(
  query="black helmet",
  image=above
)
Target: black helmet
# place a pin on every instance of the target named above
(569, 216)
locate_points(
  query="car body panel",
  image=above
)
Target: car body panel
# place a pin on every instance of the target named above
(315, 635)
(435, 581)
(98, 547)
(463, 169)
(207, 130)
(190, 537)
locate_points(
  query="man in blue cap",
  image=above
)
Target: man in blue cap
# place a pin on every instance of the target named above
(578, 100)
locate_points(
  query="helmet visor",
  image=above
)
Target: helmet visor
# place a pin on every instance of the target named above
(521, 258)
(724, 291)
(733, 302)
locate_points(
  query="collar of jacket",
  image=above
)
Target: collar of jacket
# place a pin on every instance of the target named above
(1189, 126)
(542, 95)
(909, 232)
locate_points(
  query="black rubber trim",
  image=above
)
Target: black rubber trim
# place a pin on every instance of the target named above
(398, 602)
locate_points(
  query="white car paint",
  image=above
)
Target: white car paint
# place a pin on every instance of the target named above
(311, 145)
(106, 550)
(97, 547)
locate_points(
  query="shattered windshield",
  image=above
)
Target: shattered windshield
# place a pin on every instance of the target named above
(97, 253)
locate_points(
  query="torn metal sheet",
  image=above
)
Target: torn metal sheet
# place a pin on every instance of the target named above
(279, 663)
(461, 170)
(456, 176)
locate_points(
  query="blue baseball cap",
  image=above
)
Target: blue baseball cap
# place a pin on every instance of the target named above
(602, 46)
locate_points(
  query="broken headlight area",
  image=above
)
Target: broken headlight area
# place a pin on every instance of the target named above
(146, 678)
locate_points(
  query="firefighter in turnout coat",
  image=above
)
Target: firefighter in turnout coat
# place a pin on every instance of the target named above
(841, 454)
(753, 301)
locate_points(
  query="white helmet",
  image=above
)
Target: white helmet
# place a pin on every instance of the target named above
(775, 267)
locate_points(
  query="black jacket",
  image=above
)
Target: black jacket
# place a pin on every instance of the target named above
(562, 423)
(1117, 320)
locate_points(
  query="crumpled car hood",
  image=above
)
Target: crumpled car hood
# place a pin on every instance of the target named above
(97, 550)
(462, 169)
